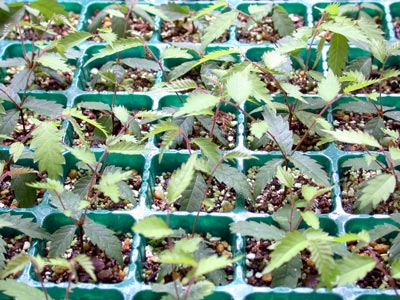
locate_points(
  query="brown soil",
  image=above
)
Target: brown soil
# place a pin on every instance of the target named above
(151, 265)
(350, 184)
(273, 196)
(388, 86)
(56, 31)
(225, 122)
(137, 27)
(356, 121)
(299, 78)
(376, 279)
(16, 245)
(185, 30)
(220, 198)
(102, 201)
(264, 32)
(106, 270)
(135, 80)
(257, 257)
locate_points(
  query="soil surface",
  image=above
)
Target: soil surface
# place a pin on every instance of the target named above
(106, 269)
(16, 245)
(273, 196)
(299, 78)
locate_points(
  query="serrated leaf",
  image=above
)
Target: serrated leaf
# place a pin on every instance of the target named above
(22, 79)
(191, 197)
(329, 87)
(311, 219)
(363, 235)
(286, 249)
(354, 137)
(21, 291)
(177, 257)
(311, 168)
(356, 106)
(258, 230)
(86, 263)
(49, 184)
(351, 268)
(175, 52)
(288, 274)
(94, 105)
(54, 62)
(15, 264)
(322, 256)
(258, 129)
(265, 174)
(141, 63)
(284, 177)
(177, 85)
(16, 150)
(108, 184)
(208, 148)
(360, 163)
(61, 240)
(395, 269)
(69, 203)
(73, 39)
(293, 91)
(394, 153)
(209, 9)
(378, 49)
(338, 53)
(8, 94)
(211, 263)
(152, 227)
(200, 290)
(239, 86)
(357, 86)
(161, 127)
(282, 22)
(233, 178)
(9, 121)
(218, 27)
(105, 239)
(84, 155)
(197, 103)
(180, 179)
(375, 190)
(346, 28)
(48, 149)
(24, 194)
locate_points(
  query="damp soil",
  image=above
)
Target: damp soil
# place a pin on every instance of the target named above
(273, 196)
(106, 269)
(357, 121)
(350, 184)
(136, 27)
(258, 256)
(134, 80)
(209, 245)
(298, 78)
(102, 201)
(14, 246)
(56, 31)
(219, 197)
(264, 31)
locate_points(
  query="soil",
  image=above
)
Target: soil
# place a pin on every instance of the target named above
(357, 121)
(220, 198)
(264, 32)
(185, 30)
(42, 80)
(396, 25)
(273, 197)
(151, 265)
(257, 257)
(299, 78)
(106, 270)
(350, 184)
(225, 122)
(376, 279)
(134, 80)
(137, 27)
(88, 129)
(16, 245)
(102, 201)
(56, 31)
(299, 129)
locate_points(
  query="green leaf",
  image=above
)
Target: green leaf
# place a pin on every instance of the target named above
(354, 87)
(329, 87)
(200, 290)
(322, 256)
(233, 178)
(363, 235)
(175, 52)
(258, 129)
(47, 108)
(177, 257)
(282, 22)
(375, 190)
(73, 112)
(211, 263)
(49, 8)
(105, 239)
(21, 291)
(2, 252)
(84, 155)
(286, 249)
(378, 49)
(197, 103)
(152, 227)
(288, 274)
(161, 127)
(218, 27)
(54, 62)
(293, 91)
(16, 150)
(118, 46)
(265, 174)
(126, 147)
(87, 264)
(141, 63)
(49, 184)
(338, 53)
(351, 268)
(8, 121)
(394, 153)
(109, 182)
(26, 226)
(61, 240)
(357, 106)
(346, 28)
(360, 163)
(24, 194)
(70, 202)
(180, 179)
(239, 86)
(311, 219)
(208, 148)
(258, 230)
(209, 9)
(354, 137)
(73, 39)
(48, 149)
(193, 194)
(15, 264)
(284, 176)
(395, 268)
(310, 167)
(177, 85)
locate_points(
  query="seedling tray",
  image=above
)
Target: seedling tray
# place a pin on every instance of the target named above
(133, 287)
